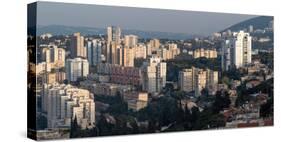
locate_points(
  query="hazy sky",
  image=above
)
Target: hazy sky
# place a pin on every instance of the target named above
(135, 18)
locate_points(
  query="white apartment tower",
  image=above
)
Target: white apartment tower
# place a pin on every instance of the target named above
(63, 103)
(242, 54)
(238, 49)
(154, 75)
(76, 68)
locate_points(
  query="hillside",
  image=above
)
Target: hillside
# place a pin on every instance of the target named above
(258, 23)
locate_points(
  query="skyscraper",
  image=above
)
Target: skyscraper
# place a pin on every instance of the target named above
(200, 81)
(76, 68)
(53, 56)
(113, 42)
(128, 57)
(77, 48)
(242, 51)
(237, 51)
(154, 75)
(94, 50)
(226, 56)
(130, 40)
(212, 81)
(114, 54)
(113, 34)
(186, 80)
(155, 44)
(140, 51)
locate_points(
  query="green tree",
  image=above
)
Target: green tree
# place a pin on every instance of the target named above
(74, 128)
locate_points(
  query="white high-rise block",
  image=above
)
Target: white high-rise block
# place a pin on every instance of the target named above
(76, 68)
(64, 102)
(154, 75)
(238, 49)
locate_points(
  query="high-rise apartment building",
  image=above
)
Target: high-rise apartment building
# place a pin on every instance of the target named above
(242, 51)
(226, 56)
(212, 81)
(114, 55)
(154, 75)
(53, 56)
(169, 51)
(128, 57)
(113, 40)
(238, 49)
(94, 50)
(200, 81)
(186, 79)
(155, 44)
(64, 103)
(113, 34)
(77, 48)
(76, 68)
(130, 40)
(195, 79)
(140, 51)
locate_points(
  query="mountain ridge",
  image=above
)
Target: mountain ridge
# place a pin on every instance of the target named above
(259, 22)
(67, 30)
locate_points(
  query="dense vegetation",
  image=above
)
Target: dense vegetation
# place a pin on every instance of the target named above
(185, 61)
(163, 114)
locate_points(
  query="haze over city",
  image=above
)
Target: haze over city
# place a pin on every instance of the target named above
(175, 21)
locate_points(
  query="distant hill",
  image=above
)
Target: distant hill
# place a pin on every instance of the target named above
(258, 23)
(67, 30)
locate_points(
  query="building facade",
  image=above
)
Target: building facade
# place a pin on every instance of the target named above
(120, 74)
(53, 56)
(237, 51)
(195, 79)
(207, 53)
(130, 40)
(77, 48)
(154, 71)
(94, 51)
(76, 68)
(64, 103)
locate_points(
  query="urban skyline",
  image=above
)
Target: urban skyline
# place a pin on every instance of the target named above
(121, 83)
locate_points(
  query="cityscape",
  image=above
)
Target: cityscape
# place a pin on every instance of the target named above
(115, 83)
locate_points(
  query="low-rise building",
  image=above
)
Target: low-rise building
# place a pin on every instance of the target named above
(136, 100)
(120, 74)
